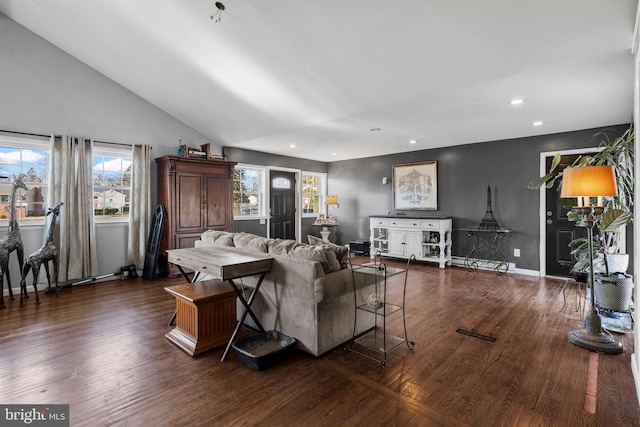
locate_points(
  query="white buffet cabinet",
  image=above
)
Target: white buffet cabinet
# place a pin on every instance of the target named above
(429, 239)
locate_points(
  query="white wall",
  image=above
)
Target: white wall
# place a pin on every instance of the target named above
(44, 90)
(635, 357)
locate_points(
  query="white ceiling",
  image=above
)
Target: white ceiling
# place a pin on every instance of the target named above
(321, 74)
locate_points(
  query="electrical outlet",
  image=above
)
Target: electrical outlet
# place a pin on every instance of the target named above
(516, 253)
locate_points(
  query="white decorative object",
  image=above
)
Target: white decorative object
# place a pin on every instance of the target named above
(618, 263)
(374, 301)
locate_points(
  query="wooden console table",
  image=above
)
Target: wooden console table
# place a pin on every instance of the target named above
(225, 264)
(205, 315)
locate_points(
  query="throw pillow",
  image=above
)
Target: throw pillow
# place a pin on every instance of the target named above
(250, 242)
(312, 253)
(332, 259)
(220, 238)
(340, 251)
(282, 246)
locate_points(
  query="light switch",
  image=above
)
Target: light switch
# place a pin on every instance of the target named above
(384, 181)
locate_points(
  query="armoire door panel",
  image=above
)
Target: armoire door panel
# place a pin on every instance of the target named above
(189, 202)
(217, 202)
(186, 240)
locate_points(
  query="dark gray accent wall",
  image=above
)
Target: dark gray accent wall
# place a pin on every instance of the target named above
(264, 159)
(464, 172)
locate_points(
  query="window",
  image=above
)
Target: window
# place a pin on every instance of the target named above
(111, 182)
(313, 187)
(111, 179)
(29, 157)
(248, 190)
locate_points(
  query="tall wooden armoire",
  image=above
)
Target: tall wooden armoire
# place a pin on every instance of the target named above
(198, 196)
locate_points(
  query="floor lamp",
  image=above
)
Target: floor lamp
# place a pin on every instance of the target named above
(584, 183)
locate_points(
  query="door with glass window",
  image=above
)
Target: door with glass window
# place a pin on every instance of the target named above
(559, 230)
(282, 205)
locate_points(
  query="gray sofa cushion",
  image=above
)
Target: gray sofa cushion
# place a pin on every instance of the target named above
(220, 238)
(251, 242)
(282, 246)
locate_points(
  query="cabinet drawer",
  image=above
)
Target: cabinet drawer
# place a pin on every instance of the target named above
(431, 225)
(376, 222)
(404, 223)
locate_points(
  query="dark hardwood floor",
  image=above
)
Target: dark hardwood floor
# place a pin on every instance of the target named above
(100, 347)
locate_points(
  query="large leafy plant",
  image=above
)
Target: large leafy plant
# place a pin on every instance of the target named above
(618, 211)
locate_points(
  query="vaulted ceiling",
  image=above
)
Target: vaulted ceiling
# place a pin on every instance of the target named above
(323, 75)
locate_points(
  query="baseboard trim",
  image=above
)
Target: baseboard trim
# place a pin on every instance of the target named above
(635, 366)
(458, 261)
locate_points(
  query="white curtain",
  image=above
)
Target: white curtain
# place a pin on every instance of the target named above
(140, 205)
(71, 182)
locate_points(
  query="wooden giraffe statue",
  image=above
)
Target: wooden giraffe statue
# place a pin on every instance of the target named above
(48, 252)
(12, 241)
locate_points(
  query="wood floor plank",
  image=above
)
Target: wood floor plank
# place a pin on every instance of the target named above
(100, 347)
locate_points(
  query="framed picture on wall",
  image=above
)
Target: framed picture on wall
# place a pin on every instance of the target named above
(415, 186)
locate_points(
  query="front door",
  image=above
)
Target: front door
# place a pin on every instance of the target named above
(559, 230)
(282, 205)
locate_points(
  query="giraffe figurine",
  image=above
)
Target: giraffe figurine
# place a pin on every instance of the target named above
(12, 241)
(48, 252)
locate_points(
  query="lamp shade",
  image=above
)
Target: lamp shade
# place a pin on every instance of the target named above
(332, 200)
(589, 181)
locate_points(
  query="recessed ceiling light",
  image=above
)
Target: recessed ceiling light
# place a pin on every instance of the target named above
(333, 154)
(537, 123)
(292, 145)
(413, 141)
(516, 101)
(375, 129)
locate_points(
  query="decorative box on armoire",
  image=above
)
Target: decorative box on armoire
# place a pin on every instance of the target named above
(198, 196)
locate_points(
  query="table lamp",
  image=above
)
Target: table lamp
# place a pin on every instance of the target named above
(332, 200)
(585, 183)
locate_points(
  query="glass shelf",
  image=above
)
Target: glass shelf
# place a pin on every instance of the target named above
(386, 310)
(378, 269)
(377, 339)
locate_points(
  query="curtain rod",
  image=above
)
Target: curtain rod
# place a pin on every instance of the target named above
(49, 136)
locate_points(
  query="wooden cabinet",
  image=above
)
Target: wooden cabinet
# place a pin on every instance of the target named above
(429, 239)
(198, 196)
(404, 243)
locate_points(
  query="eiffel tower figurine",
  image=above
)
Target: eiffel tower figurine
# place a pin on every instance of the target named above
(489, 222)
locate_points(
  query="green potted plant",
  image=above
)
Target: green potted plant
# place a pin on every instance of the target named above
(609, 274)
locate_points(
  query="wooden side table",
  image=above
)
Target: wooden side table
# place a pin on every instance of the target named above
(205, 315)
(326, 230)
